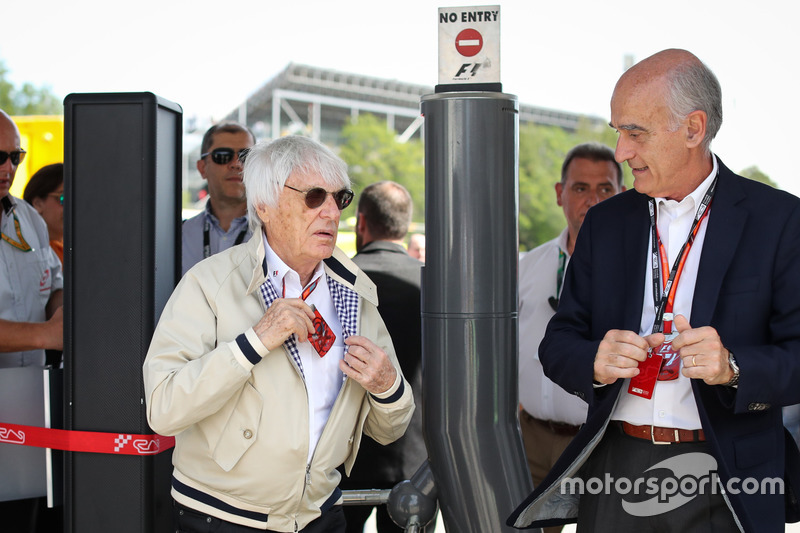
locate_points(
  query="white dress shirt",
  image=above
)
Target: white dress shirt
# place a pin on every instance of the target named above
(322, 375)
(673, 404)
(539, 396)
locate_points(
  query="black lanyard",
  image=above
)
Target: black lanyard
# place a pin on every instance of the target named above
(661, 296)
(562, 262)
(207, 238)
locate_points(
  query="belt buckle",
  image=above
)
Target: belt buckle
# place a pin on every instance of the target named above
(653, 437)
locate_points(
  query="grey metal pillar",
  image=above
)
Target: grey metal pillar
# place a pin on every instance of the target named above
(469, 309)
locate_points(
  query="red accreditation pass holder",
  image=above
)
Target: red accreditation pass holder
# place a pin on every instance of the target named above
(663, 363)
(650, 369)
(644, 383)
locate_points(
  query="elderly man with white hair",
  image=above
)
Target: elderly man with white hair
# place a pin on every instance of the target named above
(270, 359)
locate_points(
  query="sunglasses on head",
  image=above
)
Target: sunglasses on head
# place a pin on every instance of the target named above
(316, 196)
(223, 156)
(17, 156)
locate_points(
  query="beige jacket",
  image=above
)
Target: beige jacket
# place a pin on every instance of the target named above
(241, 451)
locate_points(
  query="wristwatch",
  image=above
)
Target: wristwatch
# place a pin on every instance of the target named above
(735, 379)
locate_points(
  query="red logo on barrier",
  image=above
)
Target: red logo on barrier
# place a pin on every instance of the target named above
(11, 436)
(146, 447)
(85, 441)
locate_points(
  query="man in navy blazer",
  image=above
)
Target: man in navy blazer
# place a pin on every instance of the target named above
(728, 321)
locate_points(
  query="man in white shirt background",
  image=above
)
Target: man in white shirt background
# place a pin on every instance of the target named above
(549, 416)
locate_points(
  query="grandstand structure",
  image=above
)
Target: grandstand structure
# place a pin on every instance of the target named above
(318, 102)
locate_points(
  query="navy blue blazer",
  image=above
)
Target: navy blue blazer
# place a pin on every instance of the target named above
(748, 288)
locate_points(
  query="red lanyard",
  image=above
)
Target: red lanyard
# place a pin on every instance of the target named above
(664, 296)
(323, 338)
(306, 292)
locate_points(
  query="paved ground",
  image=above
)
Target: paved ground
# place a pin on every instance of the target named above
(790, 528)
(369, 527)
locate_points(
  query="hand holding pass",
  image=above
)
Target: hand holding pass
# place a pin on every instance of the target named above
(702, 353)
(619, 354)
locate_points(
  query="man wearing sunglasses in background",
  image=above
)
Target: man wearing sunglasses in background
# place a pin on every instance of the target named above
(270, 359)
(223, 222)
(30, 293)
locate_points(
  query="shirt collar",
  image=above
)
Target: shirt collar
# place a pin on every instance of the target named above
(563, 240)
(692, 201)
(213, 218)
(8, 204)
(277, 270)
(208, 212)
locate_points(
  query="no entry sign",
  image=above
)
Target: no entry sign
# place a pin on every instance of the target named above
(469, 45)
(469, 42)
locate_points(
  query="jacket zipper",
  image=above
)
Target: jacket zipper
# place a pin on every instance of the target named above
(308, 465)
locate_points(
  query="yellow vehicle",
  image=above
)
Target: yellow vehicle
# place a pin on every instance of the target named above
(42, 137)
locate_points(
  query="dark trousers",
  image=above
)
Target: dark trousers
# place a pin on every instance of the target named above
(188, 520)
(30, 516)
(624, 457)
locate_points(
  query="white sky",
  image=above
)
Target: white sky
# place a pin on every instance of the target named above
(567, 55)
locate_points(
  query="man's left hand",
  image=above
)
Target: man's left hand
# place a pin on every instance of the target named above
(365, 362)
(701, 350)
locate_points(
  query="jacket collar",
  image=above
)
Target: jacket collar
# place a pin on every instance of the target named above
(636, 237)
(8, 204)
(726, 222)
(338, 267)
(382, 246)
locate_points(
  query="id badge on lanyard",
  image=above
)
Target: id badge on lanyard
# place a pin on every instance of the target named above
(663, 362)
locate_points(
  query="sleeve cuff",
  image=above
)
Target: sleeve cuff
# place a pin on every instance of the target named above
(248, 347)
(393, 393)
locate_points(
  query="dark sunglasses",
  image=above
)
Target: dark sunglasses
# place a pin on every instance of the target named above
(17, 156)
(316, 196)
(223, 156)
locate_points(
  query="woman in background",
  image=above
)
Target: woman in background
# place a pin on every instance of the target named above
(45, 192)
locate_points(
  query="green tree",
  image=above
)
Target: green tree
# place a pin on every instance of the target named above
(754, 173)
(541, 153)
(373, 153)
(28, 99)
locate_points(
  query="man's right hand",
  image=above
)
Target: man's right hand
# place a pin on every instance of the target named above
(53, 331)
(284, 317)
(620, 353)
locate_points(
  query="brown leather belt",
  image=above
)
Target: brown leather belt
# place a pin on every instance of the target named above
(659, 435)
(559, 428)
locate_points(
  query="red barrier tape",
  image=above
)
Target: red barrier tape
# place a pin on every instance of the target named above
(85, 441)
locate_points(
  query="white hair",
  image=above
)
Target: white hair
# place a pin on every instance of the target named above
(269, 164)
(692, 87)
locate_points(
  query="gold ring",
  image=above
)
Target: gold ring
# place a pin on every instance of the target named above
(694, 362)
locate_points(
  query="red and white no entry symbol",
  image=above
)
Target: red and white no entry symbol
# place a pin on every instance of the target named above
(469, 42)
